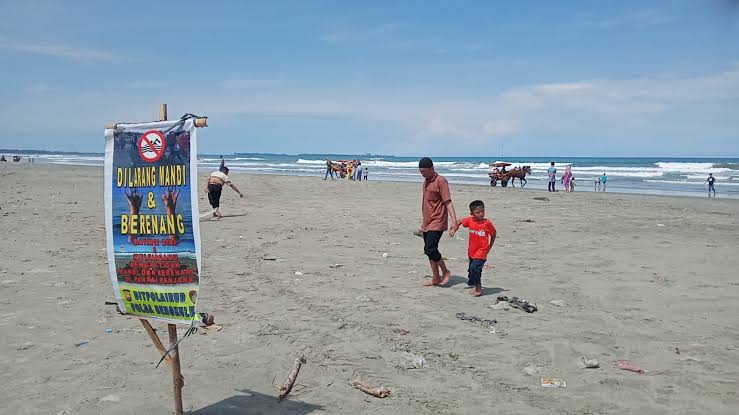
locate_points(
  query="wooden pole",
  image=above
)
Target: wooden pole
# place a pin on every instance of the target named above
(176, 374)
(172, 328)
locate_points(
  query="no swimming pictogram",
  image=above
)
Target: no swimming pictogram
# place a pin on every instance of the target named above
(151, 145)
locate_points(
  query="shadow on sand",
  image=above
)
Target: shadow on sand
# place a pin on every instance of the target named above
(254, 403)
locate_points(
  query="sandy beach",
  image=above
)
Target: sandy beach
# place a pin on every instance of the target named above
(648, 279)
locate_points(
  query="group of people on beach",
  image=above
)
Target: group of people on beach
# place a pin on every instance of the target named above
(16, 159)
(568, 180)
(346, 169)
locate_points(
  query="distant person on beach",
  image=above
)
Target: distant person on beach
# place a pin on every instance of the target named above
(3, 158)
(436, 206)
(481, 239)
(711, 180)
(358, 171)
(572, 184)
(329, 170)
(552, 172)
(365, 173)
(214, 187)
(567, 177)
(596, 184)
(604, 179)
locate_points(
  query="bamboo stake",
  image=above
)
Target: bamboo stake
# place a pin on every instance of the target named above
(287, 387)
(157, 342)
(369, 390)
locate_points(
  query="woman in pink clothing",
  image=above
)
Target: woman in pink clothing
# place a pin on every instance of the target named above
(566, 178)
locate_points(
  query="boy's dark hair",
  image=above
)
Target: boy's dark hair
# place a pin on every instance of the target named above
(224, 170)
(476, 204)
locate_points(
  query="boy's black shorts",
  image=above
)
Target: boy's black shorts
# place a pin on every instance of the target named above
(431, 244)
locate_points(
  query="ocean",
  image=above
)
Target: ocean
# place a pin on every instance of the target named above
(661, 175)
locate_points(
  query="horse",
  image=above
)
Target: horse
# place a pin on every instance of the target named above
(520, 174)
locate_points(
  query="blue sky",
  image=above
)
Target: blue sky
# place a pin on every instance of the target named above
(574, 78)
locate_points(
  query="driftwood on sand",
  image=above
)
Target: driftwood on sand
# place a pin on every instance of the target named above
(287, 387)
(376, 392)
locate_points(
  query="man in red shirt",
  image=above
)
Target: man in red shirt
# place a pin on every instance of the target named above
(436, 206)
(481, 240)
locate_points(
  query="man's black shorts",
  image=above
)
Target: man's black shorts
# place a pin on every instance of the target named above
(431, 244)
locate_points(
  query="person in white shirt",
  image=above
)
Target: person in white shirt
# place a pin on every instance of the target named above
(214, 187)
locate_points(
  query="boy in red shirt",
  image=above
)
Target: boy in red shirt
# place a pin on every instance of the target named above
(482, 238)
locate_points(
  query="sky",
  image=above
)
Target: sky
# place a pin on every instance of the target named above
(522, 78)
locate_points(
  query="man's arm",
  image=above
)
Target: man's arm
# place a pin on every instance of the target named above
(453, 214)
(235, 189)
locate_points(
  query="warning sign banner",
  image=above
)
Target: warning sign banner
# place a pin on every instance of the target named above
(153, 242)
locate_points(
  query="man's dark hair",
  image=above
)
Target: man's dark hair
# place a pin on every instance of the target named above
(551, 163)
(425, 163)
(476, 204)
(224, 170)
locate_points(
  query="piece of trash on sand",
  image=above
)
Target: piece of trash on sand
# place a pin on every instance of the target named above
(412, 361)
(660, 224)
(559, 303)
(677, 350)
(336, 266)
(475, 319)
(110, 398)
(531, 369)
(543, 199)
(298, 274)
(413, 272)
(522, 304)
(589, 363)
(623, 364)
(492, 331)
(24, 346)
(81, 344)
(108, 330)
(525, 220)
(269, 258)
(500, 305)
(401, 332)
(553, 383)
(385, 255)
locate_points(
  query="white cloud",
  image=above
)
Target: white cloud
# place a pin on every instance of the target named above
(438, 127)
(499, 128)
(72, 53)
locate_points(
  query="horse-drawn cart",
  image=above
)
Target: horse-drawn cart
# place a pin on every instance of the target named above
(500, 174)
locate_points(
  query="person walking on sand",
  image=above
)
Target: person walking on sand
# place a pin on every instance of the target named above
(711, 180)
(603, 180)
(214, 187)
(436, 206)
(552, 172)
(329, 170)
